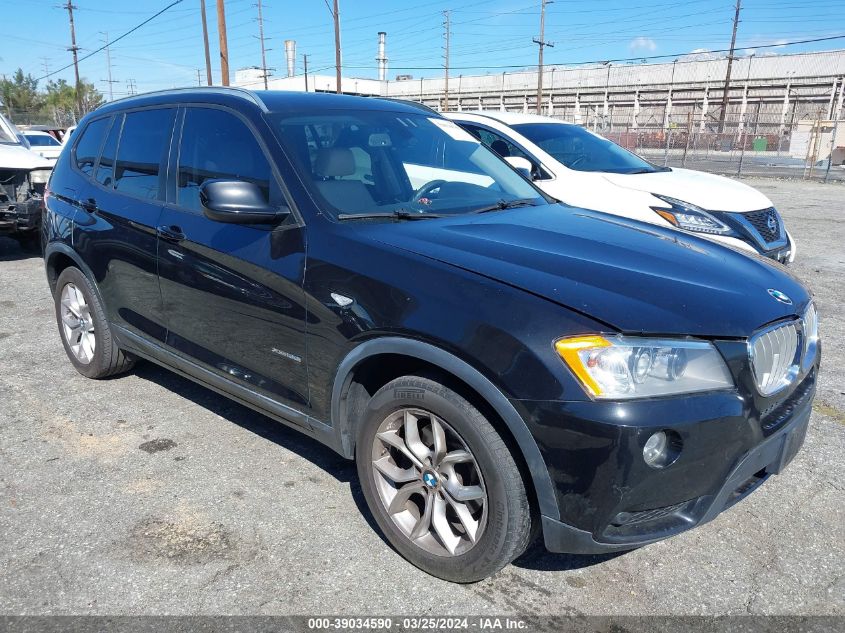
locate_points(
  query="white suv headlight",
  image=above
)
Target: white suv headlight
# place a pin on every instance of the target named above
(684, 215)
(39, 176)
(621, 367)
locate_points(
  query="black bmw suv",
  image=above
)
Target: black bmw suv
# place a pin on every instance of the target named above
(367, 272)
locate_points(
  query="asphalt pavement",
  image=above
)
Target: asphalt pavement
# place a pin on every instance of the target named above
(147, 494)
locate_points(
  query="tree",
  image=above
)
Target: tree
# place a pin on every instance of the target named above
(20, 96)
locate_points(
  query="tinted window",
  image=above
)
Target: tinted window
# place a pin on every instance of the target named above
(143, 146)
(383, 161)
(581, 150)
(217, 144)
(38, 140)
(89, 144)
(105, 168)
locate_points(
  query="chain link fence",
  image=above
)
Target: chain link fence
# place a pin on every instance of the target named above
(807, 149)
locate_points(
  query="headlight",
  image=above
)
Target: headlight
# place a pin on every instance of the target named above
(39, 176)
(621, 367)
(689, 217)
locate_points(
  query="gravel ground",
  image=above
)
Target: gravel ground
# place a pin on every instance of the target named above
(147, 494)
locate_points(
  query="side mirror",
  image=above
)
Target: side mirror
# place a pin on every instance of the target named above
(522, 165)
(238, 202)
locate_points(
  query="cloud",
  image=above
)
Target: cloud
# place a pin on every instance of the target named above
(642, 44)
(699, 55)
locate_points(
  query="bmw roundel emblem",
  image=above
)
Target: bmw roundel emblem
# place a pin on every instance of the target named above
(430, 480)
(780, 296)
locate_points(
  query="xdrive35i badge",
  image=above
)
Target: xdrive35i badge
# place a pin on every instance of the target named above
(778, 295)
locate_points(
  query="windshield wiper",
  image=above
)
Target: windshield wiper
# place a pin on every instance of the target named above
(398, 214)
(501, 205)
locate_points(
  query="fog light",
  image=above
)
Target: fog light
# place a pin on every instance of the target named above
(662, 448)
(654, 448)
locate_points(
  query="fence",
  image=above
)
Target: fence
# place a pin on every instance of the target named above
(808, 149)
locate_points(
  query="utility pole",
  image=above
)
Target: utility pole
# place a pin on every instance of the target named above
(110, 81)
(263, 50)
(130, 86)
(205, 43)
(45, 64)
(199, 77)
(541, 42)
(224, 45)
(447, 34)
(728, 73)
(73, 49)
(336, 16)
(305, 66)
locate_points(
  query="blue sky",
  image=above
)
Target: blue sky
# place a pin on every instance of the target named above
(486, 34)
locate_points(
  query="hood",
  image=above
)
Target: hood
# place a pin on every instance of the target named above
(632, 276)
(708, 191)
(19, 157)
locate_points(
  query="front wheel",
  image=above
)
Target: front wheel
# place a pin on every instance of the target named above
(441, 482)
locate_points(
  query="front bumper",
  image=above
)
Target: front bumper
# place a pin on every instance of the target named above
(20, 217)
(769, 458)
(610, 500)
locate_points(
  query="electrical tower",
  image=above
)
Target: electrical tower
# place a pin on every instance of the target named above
(109, 81)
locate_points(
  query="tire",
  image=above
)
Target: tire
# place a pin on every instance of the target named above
(500, 520)
(90, 346)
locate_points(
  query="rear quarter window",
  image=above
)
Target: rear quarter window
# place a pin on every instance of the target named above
(88, 147)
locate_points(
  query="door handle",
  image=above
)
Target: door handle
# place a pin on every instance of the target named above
(89, 205)
(170, 233)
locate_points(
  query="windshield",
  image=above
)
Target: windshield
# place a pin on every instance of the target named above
(380, 162)
(579, 149)
(41, 140)
(8, 132)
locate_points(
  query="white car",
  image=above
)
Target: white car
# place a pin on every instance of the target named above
(583, 169)
(43, 144)
(23, 177)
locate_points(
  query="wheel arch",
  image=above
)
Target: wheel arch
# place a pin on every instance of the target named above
(348, 399)
(57, 257)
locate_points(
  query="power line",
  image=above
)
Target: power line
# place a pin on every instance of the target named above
(617, 60)
(130, 31)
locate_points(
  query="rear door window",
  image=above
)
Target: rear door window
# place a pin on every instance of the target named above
(105, 168)
(217, 145)
(144, 144)
(89, 144)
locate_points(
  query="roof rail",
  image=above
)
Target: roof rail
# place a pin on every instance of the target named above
(249, 94)
(409, 102)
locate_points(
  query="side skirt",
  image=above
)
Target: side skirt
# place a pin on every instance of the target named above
(289, 416)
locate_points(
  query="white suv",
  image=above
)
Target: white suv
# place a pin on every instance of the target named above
(584, 169)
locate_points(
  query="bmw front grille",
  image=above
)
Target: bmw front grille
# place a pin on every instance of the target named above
(780, 353)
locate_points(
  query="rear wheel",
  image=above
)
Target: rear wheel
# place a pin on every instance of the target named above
(441, 482)
(85, 332)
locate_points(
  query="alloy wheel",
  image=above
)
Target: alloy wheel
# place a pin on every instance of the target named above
(429, 482)
(77, 324)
